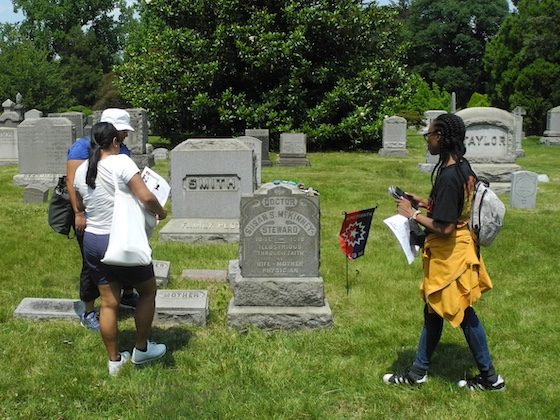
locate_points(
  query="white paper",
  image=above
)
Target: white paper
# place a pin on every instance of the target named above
(156, 184)
(401, 229)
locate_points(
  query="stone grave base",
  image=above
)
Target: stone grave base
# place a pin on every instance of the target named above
(44, 308)
(388, 152)
(272, 291)
(200, 231)
(49, 180)
(292, 161)
(552, 141)
(181, 307)
(266, 162)
(14, 161)
(279, 317)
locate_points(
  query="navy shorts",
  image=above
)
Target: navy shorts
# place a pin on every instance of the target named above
(94, 250)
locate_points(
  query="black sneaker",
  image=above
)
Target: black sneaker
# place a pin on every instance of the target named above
(406, 378)
(479, 383)
(129, 300)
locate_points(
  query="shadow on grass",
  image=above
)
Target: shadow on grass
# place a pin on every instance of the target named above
(450, 362)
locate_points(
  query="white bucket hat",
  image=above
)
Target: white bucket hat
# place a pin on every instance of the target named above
(118, 117)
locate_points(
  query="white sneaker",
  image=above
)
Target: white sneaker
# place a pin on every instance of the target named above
(153, 351)
(114, 367)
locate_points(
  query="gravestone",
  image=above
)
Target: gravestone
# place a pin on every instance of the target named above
(394, 137)
(518, 113)
(204, 275)
(10, 117)
(551, 135)
(42, 147)
(208, 177)
(45, 309)
(77, 118)
(161, 153)
(136, 140)
(35, 193)
(453, 102)
(276, 282)
(161, 272)
(293, 150)
(8, 146)
(264, 136)
(181, 307)
(33, 113)
(523, 190)
(256, 146)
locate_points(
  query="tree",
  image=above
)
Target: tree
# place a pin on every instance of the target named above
(523, 61)
(215, 67)
(82, 35)
(448, 38)
(26, 69)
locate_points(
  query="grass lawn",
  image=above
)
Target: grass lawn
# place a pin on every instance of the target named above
(58, 369)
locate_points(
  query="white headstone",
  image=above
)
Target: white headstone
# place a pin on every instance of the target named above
(394, 137)
(256, 146)
(523, 190)
(8, 146)
(293, 149)
(552, 133)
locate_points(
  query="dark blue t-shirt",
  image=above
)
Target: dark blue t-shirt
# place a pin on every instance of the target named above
(80, 149)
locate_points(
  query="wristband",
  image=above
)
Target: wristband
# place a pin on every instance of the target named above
(416, 213)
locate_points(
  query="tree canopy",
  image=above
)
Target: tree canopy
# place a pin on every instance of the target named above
(524, 61)
(215, 67)
(447, 40)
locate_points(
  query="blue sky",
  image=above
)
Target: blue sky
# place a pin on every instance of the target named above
(7, 14)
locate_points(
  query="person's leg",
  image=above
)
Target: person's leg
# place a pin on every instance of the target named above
(429, 339)
(144, 313)
(108, 317)
(88, 288)
(476, 339)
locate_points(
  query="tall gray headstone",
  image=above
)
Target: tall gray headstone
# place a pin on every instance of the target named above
(276, 282)
(42, 147)
(208, 178)
(8, 146)
(394, 137)
(523, 190)
(263, 135)
(453, 102)
(552, 133)
(256, 146)
(431, 160)
(77, 118)
(293, 150)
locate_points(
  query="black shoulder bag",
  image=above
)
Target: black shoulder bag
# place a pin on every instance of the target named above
(61, 216)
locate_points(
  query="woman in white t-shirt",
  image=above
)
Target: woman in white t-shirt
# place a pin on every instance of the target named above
(94, 185)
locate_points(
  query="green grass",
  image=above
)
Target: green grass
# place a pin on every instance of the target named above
(58, 369)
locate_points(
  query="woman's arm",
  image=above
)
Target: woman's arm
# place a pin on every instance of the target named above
(405, 209)
(146, 197)
(77, 205)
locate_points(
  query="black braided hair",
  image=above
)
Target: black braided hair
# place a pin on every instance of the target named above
(451, 130)
(102, 135)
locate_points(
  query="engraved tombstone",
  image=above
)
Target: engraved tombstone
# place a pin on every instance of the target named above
(42, 147)
(208, 177)
(35, 193)
(293, 150)
(10, 117)
(161, 153)
(552, 133)
(8, 146)
(276, 282)
(490, 144)
(394, 137)
(523, 190)
(46, 309)
(431, 160)
(33, 113)
(518, 113)
(263, 135)
(181, 307)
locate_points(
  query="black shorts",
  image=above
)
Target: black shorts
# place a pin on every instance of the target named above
(94, 250)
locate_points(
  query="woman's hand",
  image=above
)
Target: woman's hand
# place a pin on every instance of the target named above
(80, 222)
(416, 200)
(404, 207)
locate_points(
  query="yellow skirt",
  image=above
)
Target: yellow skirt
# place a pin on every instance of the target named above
(454, 276)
